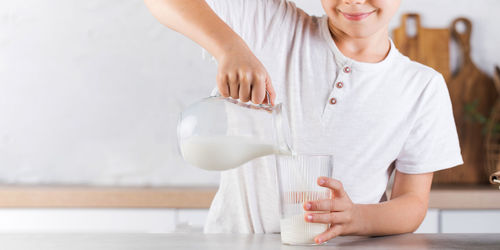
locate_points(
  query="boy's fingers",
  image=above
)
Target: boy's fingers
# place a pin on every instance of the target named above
(327, 218)
(270, 90)
(223, 85)
(330, 233)
(245, 82)
(325, 205)
(233, 85)
(258, 89)
(335, 185)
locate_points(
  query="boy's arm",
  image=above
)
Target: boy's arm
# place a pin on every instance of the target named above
(240, 73)
(196, 20)
(402, 214)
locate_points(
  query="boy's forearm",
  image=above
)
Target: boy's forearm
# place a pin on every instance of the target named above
(399, 215)
(196, 20)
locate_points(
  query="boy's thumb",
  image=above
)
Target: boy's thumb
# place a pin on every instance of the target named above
(270, 93)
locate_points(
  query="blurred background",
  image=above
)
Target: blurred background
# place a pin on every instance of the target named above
(90, 93)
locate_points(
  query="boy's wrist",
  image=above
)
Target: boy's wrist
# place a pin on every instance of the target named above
(359, 224)
(230, 47)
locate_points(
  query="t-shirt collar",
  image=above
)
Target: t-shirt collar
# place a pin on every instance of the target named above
(343, 60)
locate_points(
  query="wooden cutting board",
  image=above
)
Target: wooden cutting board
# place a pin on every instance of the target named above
(427, 46)
(467, 85)
(431, 47)
(492, 134)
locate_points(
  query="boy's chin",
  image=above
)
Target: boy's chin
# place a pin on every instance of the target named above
(359, 33)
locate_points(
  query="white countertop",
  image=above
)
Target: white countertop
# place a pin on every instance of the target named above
(200, 241)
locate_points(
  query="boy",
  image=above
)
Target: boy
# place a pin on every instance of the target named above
(348, 92)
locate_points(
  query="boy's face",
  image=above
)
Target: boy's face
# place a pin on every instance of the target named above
(360, 18)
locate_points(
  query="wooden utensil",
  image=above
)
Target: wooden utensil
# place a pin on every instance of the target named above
(495, 178)
(468, 85)
(428, 46)
(493, 132)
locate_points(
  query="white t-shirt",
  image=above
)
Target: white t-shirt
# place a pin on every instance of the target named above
(394, 110)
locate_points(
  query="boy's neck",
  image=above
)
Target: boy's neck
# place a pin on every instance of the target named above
(371, 49)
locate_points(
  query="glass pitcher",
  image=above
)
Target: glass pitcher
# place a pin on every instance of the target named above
(219, 133)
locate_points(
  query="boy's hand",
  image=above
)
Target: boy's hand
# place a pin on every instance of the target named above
(341, 213)
(242, 76)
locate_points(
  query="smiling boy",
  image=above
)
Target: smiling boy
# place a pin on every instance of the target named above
(348, 92)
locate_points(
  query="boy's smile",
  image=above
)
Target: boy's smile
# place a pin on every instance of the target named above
(356, 16)
(360, 18)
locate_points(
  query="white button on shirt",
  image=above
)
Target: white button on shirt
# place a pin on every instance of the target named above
(367, 115)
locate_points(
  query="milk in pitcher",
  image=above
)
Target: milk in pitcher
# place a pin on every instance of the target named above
(224, 152)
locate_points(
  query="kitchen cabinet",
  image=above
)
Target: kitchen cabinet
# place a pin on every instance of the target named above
(461, 221)
(430, 223)
(192, 220)
(470, 221)
(88, 220)
(165, 210)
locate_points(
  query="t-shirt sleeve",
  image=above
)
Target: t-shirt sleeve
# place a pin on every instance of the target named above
(433, 142)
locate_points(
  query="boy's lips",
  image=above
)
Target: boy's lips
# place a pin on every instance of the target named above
(356, 16)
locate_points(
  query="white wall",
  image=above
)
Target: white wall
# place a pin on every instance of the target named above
(90, 90)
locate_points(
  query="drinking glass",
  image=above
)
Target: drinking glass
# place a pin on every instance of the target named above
(297, 182)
